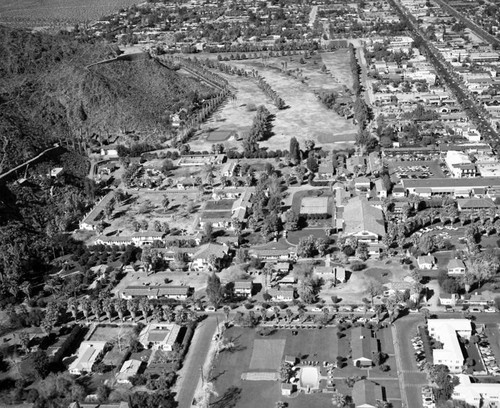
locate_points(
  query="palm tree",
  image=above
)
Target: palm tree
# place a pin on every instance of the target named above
(96, 308)
(276, 311)
(226, 310)
(132, 307)
(73, 307)
(85, 308)
(157, 314)
(145, 306)
(165, 202)
(121, 308)
(107, 306)
(168, 314)
(338, 399)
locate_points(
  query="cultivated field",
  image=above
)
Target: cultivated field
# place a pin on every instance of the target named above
(32, 13)
(305, 118)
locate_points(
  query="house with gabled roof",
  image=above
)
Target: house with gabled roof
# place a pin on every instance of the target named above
(366, 394)
(363, 346)
(456, 267)
(363, 221)
(202, 259)
(426, 261)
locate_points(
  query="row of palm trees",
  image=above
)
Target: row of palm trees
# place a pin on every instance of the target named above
(111, 307)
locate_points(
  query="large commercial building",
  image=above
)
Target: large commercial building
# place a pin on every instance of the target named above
(457, 187)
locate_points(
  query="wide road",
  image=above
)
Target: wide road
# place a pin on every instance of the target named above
(189, 375)
(411, 378)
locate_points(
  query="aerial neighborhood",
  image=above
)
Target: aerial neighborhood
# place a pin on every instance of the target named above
(312, 217)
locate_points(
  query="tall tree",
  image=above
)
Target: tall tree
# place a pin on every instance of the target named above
(215, 291)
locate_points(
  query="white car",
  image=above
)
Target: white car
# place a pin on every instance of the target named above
(316, 309)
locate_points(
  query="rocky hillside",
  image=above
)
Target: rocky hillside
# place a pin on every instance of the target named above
(47, 94)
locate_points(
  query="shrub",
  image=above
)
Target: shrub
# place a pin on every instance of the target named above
(384, 367)
(358, 266)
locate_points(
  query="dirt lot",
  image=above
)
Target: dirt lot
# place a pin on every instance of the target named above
(305, 111)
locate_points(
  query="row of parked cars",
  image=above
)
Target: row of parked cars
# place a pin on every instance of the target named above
(418, 345)
(488, 356)
(428, 398)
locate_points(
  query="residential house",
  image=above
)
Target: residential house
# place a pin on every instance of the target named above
(207, 255)
(159, 336)
(456, 267)
(243, 288)
(186, 183)
(157, 292)
(146, 237)
(229, 168)
(287, 389)
(473, 205)
(426, 261)
(276, 251)
(88, 353)
(128, 369)
(363, 346)
(326, 170)
(447, 299)
(94, 217)
(362, 184)
(282, 294)
(380, 188)
(367, 394)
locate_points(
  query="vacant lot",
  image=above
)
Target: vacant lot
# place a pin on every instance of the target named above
(32, 13)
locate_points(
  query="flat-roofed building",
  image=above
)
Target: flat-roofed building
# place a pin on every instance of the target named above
(457, 187)
(446, 331)
(476, 394)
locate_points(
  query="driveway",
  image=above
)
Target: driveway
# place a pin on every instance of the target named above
(189, 375)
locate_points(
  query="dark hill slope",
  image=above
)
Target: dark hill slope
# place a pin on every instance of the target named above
(47, 94)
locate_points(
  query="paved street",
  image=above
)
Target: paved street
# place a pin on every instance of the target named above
(189, 376)
(411, 378)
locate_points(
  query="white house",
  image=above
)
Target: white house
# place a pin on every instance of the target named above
(456, 267)
(129, 369)
(426, 262)
(282, 294)
(243, 288)
(88, 353)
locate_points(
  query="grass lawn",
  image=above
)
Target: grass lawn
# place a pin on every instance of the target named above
(108, 332)
(381, 275)
(295, 236)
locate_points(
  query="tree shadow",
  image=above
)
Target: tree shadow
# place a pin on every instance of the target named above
(229, 399)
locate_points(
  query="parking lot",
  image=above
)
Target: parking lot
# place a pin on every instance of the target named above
(418, 169)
